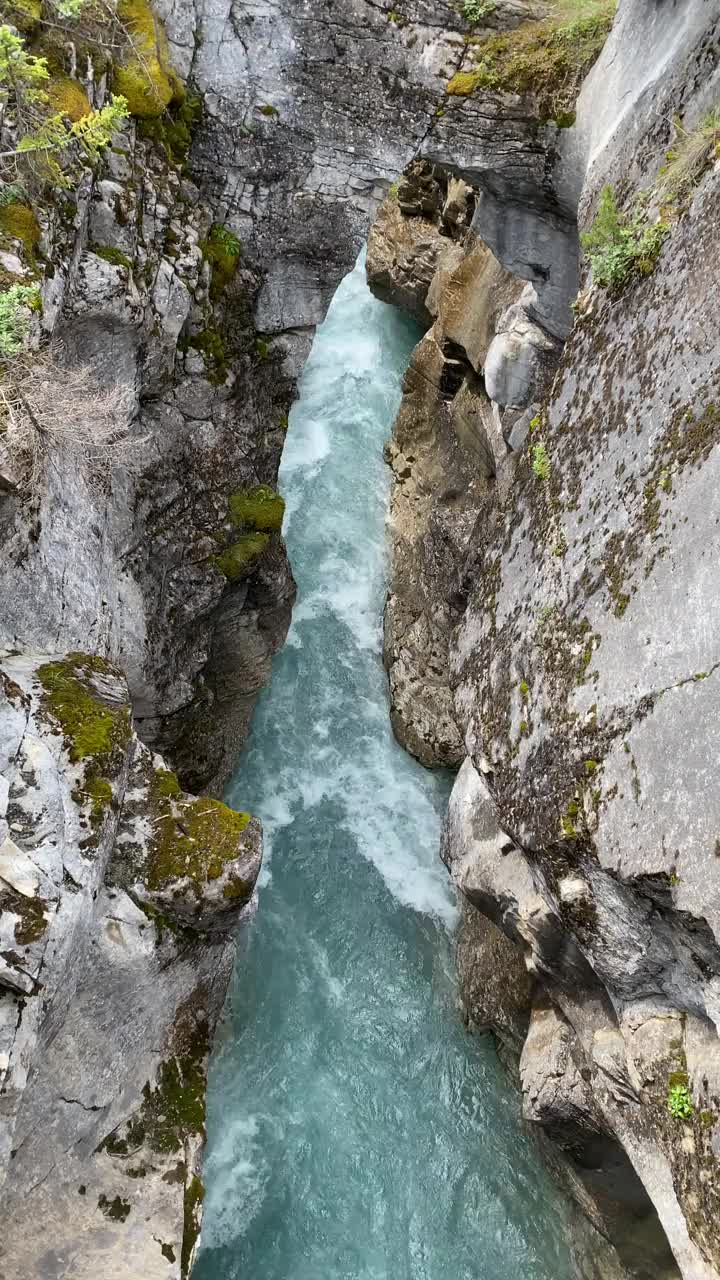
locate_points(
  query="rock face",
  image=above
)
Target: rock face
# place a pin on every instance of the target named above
(119, 896)
(579, 630)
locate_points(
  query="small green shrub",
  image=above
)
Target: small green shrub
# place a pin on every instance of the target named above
(679, 1102)
(112, 255)
(476, 10)
(540, 462)
(620, 246)
(14, 320)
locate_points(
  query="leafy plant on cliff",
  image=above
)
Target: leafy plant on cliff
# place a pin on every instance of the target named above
(679, 1102)
(619, 245)
(49, 146)
(540, 462)
(16, 304)
(476, 10)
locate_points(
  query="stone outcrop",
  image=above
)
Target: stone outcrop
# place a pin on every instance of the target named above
(578, 627)
(119, 897)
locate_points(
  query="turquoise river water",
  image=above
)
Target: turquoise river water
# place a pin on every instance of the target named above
(356, 1132)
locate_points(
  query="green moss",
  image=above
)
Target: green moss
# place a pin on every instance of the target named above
(110, 254)
(25, 14)
(116, 1210)
(262, 348)
(164, 784)
(192, 1209)
(524, 688)
(235, 561)
(222, 250)
(540, 462)
(92, 729)
(173, 130)
(193, 839)
(261, 507)
(267, 110)
(67, 96)
(547, 59)
(32, 921)
(18, 222)
(99, 792)
(150, 84)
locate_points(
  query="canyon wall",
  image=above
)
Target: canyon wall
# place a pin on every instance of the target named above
(552, 620)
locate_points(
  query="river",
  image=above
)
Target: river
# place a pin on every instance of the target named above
(355, 1130)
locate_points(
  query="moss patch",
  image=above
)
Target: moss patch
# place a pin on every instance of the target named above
(192, 1212)
(112, 255)
(18, 222)
(235, 561)
(67, 97)
(91, 727)
(211, 346)
(261, 508)
(173, 131)
(192, 839)
(222, 250)
(116, 1210)
(146, 78)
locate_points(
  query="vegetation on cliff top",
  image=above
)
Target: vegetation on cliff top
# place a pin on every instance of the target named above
(548, 59)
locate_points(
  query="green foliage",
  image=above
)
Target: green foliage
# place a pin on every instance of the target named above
(22, 75)
(14, 320)
(679, 1101)
(620, 245)
(222, 250)
(476, 10)
(547, 59)
(692, 154)
(174, 129)
(45, 139)
(540, 462)
(69, 8)
(11, 193)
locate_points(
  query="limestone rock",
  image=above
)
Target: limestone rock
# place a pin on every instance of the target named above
(113, 975)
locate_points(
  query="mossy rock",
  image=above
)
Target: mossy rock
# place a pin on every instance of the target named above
(235, 561)
(67, 97)
(150, 84)
(261, 508)
(24, 14)
(211, 345)
(192, 838)
(92, 727)
(96, 731)
(18, 222)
